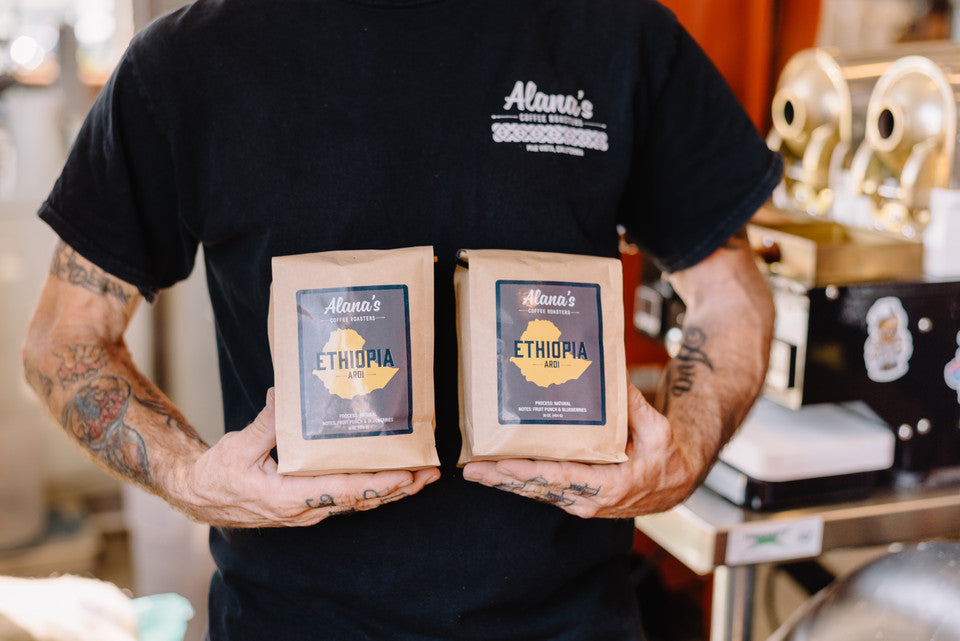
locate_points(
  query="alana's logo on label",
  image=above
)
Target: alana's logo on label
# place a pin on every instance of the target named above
(536, 298)
(551, 123)
(339, 305)
(544, 359)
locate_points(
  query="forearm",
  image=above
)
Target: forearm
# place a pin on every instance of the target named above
(705, 392)
(111, 410)
(84, 376)
(75, 359)
(714, 379)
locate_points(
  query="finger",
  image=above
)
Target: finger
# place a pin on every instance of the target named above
(373, 498)
(575, 487)
(261, 434)
(647, 426)
(510, 472)
(636, 401)
(480, 471)
(426, 476)
(563, 482)
(639, 410)
(339, 493)
(517, 476)
(268, 465)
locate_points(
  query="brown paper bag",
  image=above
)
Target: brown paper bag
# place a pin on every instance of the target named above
(542, 364)
(352, 346)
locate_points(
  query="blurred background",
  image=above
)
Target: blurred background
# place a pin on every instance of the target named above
(58, 513)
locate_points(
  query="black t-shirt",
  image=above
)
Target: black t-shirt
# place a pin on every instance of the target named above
(257, 128)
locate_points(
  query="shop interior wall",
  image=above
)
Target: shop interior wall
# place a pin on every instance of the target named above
(749, 41)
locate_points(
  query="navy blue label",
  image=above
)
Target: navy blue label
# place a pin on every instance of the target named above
(550, 353)
(355, 370)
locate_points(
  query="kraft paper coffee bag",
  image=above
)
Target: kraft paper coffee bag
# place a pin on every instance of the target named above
(352, 344)
(542, 365)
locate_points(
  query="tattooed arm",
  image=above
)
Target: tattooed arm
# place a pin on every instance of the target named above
(75, 359)
(705, 393)
(713, 381)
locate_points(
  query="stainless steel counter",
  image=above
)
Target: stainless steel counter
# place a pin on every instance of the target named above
(709, 534)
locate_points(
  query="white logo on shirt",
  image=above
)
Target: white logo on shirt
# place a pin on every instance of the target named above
(552, 123)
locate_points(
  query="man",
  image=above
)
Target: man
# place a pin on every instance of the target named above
(257, 129)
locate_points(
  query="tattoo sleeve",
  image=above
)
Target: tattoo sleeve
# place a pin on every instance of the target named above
(170, 416)
(40, 382)
(716, 374)
(75, 359)
(78, 362)
(681, 375)
(95, 418)
(67, 268)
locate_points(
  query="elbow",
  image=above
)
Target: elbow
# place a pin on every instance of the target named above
(767, 312)
(758, 307)
(36, 344)
(767, 318)
(758, 316)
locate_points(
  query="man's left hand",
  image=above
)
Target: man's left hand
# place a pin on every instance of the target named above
(656, 476)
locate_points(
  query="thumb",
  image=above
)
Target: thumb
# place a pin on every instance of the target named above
(263, 430)
(638, 416)
(636, 401)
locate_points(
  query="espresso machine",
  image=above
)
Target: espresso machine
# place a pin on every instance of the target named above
(862, 387)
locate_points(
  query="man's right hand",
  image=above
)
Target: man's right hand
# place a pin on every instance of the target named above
(235, 484)
(75, 359)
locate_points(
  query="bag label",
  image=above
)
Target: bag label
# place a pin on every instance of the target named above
(355, 377)
(550, 353)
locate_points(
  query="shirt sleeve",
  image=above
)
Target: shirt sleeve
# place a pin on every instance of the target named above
(702, 169)
(115, 201)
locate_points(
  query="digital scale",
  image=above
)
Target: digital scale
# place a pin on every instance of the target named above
(782, 458)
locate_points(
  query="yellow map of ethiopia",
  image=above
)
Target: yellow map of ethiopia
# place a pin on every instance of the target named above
(546, 371)
(349, 382)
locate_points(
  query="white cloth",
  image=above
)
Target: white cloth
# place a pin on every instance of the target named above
(66, 608)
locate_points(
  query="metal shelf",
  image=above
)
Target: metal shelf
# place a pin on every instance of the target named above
(709, 534)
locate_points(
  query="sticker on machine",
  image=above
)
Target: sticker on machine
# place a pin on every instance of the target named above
(889, 345)
(951, 371)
